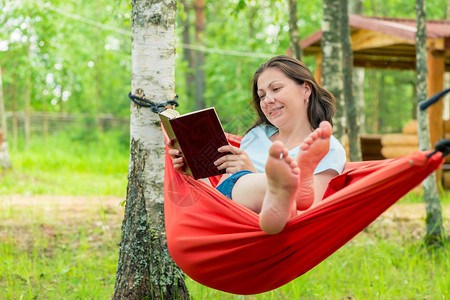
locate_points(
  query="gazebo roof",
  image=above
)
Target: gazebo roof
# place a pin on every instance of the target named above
(387, 42)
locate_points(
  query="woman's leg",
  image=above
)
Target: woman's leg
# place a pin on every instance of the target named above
(277, 194)
(312, 151)
(249, 191)
(283, 176)
(271, 194)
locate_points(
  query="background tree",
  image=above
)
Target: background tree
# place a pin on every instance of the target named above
(447, 11)
(5, 160)
(351, 108)
(357, 7)
(435, 231)
(332, 61)
(199, 6)
(187, 51)
(294, 34)
(145, 268)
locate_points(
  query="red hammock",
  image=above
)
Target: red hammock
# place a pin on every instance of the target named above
(219, 243)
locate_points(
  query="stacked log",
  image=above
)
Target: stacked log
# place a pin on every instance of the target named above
(399, 144)
(396, 145)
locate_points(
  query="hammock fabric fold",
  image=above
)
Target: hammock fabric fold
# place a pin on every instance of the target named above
(218, 242)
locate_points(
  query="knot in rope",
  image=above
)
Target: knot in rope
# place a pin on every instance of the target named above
(155, 107)
(442, 146)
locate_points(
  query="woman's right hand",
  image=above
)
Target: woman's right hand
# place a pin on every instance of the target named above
(177, 158)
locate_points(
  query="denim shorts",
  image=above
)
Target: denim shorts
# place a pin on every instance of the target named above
(227, 185)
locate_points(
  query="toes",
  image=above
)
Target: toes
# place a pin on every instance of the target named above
(326, 128)
(276, 149)
(288, 159)
(294, 166)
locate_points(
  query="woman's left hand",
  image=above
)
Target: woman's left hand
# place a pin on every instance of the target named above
(237, 160)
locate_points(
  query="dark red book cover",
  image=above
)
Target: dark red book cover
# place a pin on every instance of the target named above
(199, 135)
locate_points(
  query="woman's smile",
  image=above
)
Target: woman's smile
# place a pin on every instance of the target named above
(275, 110)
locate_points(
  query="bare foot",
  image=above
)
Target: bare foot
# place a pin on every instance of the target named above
(282, 179)
(312, 150)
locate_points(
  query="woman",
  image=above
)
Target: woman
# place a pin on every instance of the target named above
(289, 155)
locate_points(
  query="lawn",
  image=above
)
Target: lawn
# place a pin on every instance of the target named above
(66, 247)
(60, 219)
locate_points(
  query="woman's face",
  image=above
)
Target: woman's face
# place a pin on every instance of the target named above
(282, 100)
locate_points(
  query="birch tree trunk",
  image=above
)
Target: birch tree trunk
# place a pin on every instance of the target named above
(357, 7)
(351, 108)
(435, 231)
(332, 61)
(376, 101)
(5, 160)
(294, 35)
(145, 268)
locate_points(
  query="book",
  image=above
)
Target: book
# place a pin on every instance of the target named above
(197, 135)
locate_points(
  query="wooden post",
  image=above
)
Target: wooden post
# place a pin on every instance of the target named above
(436, 71)
(318, 70)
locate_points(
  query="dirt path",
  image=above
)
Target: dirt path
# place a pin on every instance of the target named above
(18, 213)
(79, 207)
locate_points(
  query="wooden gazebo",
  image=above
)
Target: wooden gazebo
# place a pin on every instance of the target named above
(389, 43)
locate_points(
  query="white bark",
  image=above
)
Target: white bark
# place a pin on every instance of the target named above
(358, 90)
(332, 62)
(153, 53)
(145, 269)
(435, 231)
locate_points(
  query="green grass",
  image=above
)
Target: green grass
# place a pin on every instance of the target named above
(68, 249)
(47, 252)
(61, 251)
(68, 166)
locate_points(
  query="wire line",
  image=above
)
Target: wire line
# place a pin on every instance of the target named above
(128, 33)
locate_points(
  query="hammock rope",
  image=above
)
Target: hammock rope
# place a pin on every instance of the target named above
(442, 146)
(433, 99)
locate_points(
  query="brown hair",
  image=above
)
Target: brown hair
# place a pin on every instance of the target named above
(321, 106)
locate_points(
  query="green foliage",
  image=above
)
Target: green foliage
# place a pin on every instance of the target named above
(74, 66)
(392, 102)
(78, 55)
(404, 8)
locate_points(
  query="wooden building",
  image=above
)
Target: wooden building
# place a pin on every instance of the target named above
(389, 43)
